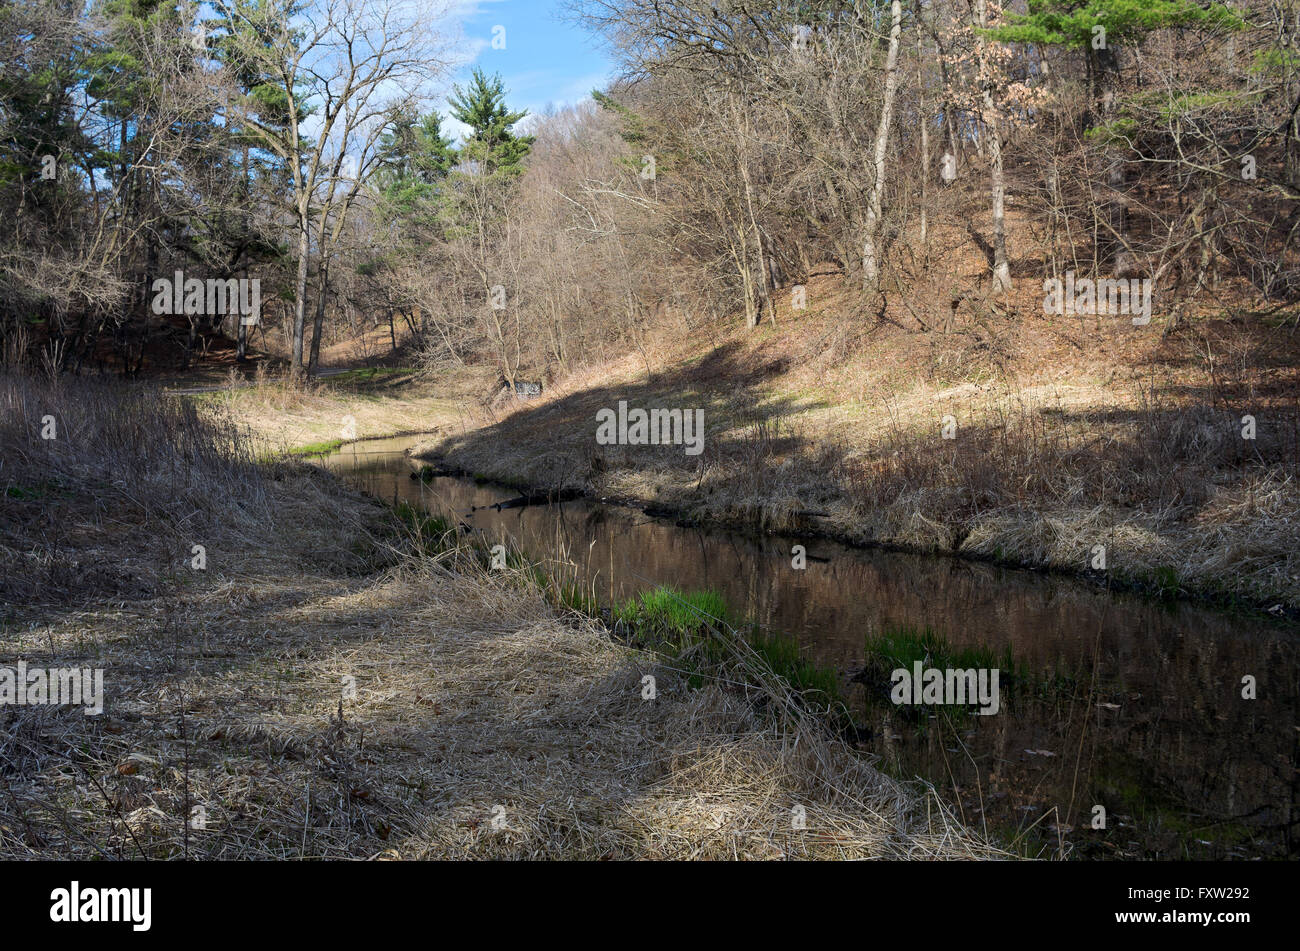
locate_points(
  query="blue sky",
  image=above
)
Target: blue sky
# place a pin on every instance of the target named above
(545, 59)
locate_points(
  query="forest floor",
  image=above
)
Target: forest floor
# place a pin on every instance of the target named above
(288, 673)
(283, 417)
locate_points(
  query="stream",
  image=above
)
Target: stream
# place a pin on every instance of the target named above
(1127, 704)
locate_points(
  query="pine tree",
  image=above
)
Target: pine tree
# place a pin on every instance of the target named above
(417, 157)
(492, 141)
(1072, 22)
(1100, 28)
(37, 99)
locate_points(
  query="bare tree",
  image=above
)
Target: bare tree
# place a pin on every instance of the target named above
(871, 231)
(342, 66)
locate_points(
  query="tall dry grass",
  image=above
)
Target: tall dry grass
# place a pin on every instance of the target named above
(1178, 497)
(283, 414)
(83, 459)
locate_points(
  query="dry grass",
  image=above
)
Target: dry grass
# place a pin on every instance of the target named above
(282, 415)
(114, 503)
(227, 689)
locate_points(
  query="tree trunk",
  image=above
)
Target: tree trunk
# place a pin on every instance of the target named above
(300, 296)
(870, 252)
(1106, 80)
(318, 323)
(925, 151)
(1001, 266)
(241, 334)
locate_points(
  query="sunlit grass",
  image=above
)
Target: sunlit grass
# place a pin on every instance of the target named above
(682, 624)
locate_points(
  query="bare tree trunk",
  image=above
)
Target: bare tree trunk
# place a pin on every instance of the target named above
(763, 295)
(318, 324)
(870, 252)
(925, 149)
(1001, 266)
(300, 297)
(1106, 79)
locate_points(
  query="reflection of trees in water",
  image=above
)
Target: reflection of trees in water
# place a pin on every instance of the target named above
(1227, 779)
(1182, 740)
(1182, 747)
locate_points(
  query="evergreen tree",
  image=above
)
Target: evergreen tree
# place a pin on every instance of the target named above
(492, 141)
(416, 157)
(39, 76)
(1072, 22)
(1098, 27)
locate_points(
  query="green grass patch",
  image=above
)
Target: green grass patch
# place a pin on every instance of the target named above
(366, 375)
(24, 494)
(903, 645)
(1166, 581)
(576, 598)
(432, 534)
(672, 615)
(784, 656)
(37, 492)
(683, 625)
(323, 448)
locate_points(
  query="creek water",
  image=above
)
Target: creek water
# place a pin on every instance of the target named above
(1128, 735)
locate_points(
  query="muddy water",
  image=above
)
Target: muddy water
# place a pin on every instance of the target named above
(1128, 704)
